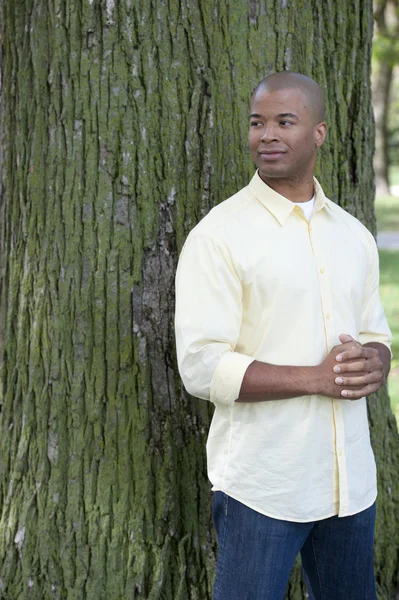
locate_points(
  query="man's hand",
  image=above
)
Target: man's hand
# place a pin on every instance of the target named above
(353, 370)
(326, 378)
(361, 369)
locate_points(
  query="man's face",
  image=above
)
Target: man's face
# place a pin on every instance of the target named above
(283, 135)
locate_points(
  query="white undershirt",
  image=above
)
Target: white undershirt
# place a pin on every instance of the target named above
(307, 207)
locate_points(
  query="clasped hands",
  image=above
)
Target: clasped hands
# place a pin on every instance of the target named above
(351, 370)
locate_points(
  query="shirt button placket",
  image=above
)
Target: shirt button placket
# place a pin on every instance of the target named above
(328, 317)
(341, 459)
(325, 288)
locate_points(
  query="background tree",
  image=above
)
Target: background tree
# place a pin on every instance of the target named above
(122, 123)
(386, 56)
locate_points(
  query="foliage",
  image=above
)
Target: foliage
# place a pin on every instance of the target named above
(385, 54)
(386, 48)
(393, 121)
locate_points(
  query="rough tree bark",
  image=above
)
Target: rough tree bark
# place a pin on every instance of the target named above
(122, 123)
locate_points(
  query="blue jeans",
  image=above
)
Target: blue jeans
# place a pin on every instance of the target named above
(256, 554)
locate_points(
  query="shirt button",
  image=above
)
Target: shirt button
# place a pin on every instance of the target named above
(336, 405)
(340, 452)
(321, 270)
(328, 316)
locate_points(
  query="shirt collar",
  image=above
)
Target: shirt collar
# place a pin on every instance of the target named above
(277, 204)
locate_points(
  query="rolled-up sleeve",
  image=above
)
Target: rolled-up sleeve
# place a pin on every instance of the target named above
(374, 326)
(208, 321)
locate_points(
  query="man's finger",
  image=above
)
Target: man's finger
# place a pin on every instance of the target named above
(358, 352)
(357, 394)
(355, 366)
(360, 380)
(345, 337)
(363, 364)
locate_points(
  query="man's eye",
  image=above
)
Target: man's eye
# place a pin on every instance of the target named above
(286, 122)
(255, 123)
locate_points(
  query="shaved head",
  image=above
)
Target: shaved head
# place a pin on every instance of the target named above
(291, 80)
(286, 127)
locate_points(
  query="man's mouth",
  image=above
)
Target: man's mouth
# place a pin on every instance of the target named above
(269, 155)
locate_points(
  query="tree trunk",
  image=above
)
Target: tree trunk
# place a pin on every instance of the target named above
(122, 123)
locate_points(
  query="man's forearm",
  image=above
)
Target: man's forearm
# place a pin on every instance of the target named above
(263, 381)
(349, 371)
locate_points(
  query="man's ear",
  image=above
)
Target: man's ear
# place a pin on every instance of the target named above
(320, 132)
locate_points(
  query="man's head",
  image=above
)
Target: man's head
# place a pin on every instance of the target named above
(286, 126)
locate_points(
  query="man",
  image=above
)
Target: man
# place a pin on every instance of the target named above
(279, 324)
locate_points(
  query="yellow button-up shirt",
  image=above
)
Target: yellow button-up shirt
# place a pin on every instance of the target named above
(256, 280)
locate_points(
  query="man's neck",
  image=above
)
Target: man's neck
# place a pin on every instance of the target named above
(296, 191)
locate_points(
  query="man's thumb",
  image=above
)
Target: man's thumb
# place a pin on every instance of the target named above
(345, 337)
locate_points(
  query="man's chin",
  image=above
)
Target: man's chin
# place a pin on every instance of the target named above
(272, 173)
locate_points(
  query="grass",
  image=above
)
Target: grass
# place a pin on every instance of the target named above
(389, 289)
(387, 207)
(387, 211)
(394, 175)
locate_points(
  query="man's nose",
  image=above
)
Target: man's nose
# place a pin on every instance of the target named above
(269, 134)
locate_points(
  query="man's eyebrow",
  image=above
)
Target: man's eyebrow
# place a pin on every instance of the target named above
(280, 116)
(290, 115)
